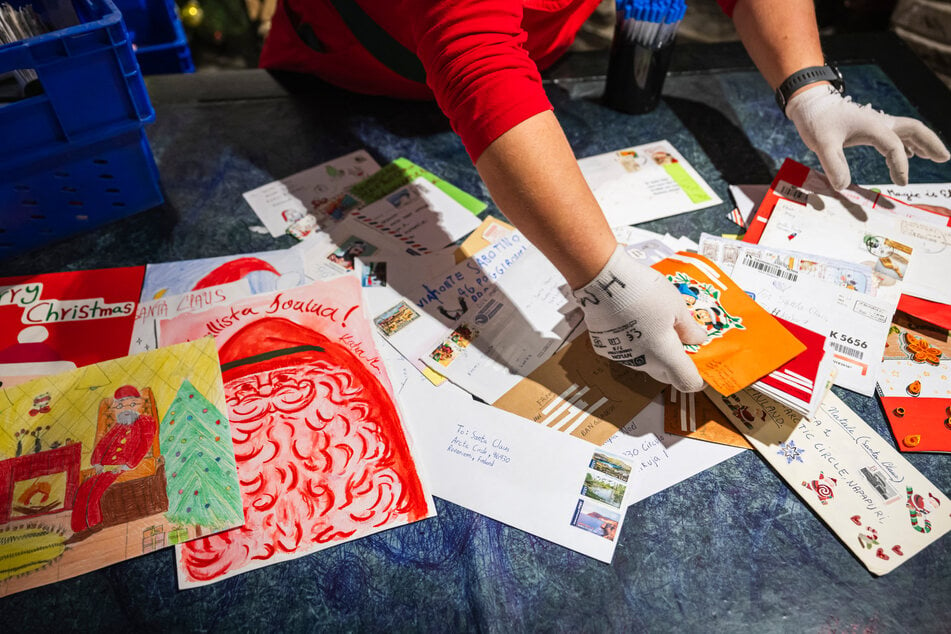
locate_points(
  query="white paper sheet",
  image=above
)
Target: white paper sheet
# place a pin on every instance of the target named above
(933, 198)
(644, 183)
(282, 202)
(485, 323)
(420, 216)
(908, 256)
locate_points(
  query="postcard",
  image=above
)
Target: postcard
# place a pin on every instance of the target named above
(655, 175)
(401, 172)
(281, 203)
(744, 342)
(322, 453)
(507, 468)
(797, 183)
(485, 323)
(111, 461)
(189, 286)
(55, 322)
(882, 508)
(931, 197)
(785, 264)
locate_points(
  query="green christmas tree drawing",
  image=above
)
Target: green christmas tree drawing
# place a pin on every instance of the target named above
(200, 468)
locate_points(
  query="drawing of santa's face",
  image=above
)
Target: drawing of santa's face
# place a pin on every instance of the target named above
(320, 450)
(127, 409)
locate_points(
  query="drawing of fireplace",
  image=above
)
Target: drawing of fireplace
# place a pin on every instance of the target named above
(39, 483)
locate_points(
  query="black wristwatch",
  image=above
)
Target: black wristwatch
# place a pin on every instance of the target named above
(829, 72)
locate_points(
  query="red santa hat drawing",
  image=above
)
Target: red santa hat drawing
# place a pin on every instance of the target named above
(234, 270)
(126, 391)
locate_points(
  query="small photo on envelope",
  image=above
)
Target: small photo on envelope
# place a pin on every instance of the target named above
(596, 519)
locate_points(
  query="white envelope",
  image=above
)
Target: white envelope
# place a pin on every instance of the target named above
(645, 182)
(856, 325)
(908, 255)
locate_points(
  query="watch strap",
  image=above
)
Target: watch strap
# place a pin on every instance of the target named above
(806, 76)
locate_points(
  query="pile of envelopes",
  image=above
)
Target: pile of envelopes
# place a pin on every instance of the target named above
(255, 408)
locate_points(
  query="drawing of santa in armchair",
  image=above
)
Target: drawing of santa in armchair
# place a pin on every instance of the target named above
(126, 451)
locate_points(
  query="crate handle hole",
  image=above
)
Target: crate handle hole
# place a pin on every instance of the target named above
(112, 190)
(106, 176)
(21, 188)
(100, 161)
(38, 217)
(76, 203)
(67, 188)
(82, 217)
(29, 203)
(61, 174)
(117, 204)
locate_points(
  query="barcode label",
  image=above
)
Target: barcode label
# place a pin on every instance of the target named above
(790, 191)
(849, 351)
(774, 270)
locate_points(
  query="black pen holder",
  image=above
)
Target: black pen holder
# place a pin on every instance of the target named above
(636, 74)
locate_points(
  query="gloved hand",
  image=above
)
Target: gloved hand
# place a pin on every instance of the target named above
(637, 318)
(829, 122)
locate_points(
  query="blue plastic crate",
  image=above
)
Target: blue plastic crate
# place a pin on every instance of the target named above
(86, 187)
(91, 85)
(158, 36)
(75, 156)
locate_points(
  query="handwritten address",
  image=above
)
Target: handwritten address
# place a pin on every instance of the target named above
(478, 447)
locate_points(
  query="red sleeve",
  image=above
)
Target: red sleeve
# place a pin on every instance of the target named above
(477, 66)
(727, 6)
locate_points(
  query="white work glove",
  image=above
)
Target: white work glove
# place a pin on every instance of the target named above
(829, 122)
(636, 317)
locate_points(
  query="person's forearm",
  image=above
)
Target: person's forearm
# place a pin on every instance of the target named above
(534, 178)
(780, 36)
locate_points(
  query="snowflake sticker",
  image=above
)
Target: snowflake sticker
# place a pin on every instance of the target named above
(790, 451)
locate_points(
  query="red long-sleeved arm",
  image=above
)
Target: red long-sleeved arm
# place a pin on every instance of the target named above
(477, 66)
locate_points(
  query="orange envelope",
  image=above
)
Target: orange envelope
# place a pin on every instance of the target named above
(744, 342)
